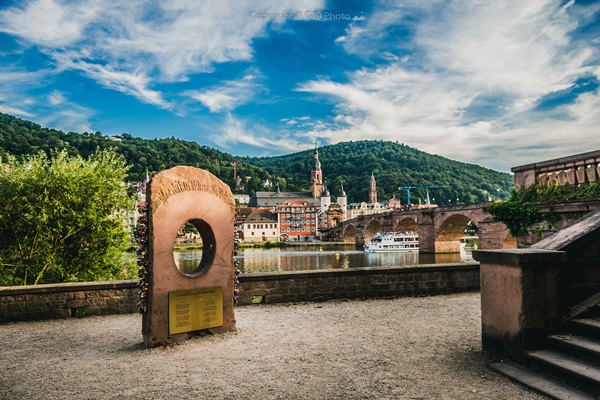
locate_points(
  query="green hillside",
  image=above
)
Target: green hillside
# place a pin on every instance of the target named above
(20, 137)
(353, 162)
(393, 165)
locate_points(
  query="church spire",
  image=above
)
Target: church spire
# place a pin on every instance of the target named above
(316, 176)
(317, 162)
(372, 190)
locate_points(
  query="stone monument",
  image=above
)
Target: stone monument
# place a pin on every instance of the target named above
(183, 304)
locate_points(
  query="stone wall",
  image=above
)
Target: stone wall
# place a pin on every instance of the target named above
(358, 283)
(24, 303)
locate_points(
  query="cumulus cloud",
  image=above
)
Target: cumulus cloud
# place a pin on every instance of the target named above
(237, 131)
(478, 72)
(132, 46)
(229, 95)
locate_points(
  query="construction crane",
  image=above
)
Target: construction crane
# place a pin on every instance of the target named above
(408, 187)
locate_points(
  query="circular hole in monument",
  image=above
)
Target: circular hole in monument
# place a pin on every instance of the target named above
(194, 247)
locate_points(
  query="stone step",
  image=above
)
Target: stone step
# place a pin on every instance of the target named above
(539, 382)
(587, 326)
(575, 343)
(581, 373)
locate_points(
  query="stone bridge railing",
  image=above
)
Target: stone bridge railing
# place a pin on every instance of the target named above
(573, 170)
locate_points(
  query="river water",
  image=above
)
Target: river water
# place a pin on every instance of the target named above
(301, 258)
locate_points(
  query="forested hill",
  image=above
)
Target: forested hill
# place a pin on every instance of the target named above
(20, 137)
(393, 164)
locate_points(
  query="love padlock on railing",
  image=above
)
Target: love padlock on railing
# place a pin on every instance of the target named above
(141, 238)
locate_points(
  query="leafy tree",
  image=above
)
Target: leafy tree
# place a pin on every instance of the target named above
(62, 219)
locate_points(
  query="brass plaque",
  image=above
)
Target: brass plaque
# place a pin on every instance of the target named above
(195, 309)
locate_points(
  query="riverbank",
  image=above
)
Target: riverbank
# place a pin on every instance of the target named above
(403, 348)
(264, 245)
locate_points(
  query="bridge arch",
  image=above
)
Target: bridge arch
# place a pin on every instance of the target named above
(447, 239)
(371, 229)
(349, 234)
(407, 225)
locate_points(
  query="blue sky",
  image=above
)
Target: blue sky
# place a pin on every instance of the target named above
(496, 83)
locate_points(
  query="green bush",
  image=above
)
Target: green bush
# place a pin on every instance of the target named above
(63, 219)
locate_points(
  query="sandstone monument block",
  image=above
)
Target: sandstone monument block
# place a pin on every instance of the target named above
(198, 301)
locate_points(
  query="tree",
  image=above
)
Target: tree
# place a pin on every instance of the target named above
(62, 219)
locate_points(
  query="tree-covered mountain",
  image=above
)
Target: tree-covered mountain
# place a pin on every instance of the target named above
(393, 164)
(20, 138)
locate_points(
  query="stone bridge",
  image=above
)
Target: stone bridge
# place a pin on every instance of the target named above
(440, 229)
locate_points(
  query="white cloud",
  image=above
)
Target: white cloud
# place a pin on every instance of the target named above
(133, 45)
(55, 98)
(6, 109)
(52, 109)
(229, 95)
(503, 54)
(69, 117)
(49, 22)
(14, 85)
(235, 131)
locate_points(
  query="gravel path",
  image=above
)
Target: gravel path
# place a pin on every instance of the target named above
(404, 348)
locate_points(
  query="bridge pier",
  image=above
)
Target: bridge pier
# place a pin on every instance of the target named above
(427, 238)
(447, 246)
(494, 235)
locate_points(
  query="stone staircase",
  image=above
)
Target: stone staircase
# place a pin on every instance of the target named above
(569, 368)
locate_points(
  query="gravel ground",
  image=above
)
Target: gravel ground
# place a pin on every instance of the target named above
(404, 348)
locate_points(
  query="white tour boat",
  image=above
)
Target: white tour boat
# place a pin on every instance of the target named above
(393, 241)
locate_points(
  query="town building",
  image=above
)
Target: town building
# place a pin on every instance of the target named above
(357, 209)
(297, 220)
(372, 207)
(332, 213)
(260, 226)
(242, 214)
(242, 199)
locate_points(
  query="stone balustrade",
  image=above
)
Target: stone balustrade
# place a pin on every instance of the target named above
(573, 170)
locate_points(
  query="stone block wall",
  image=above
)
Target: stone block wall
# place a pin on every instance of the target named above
(27, 303)
(353, 283)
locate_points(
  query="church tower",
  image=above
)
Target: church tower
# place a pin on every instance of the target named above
(342, 199)
(316, 177)
(372, 190)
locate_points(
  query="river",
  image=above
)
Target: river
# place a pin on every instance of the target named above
(301, 258)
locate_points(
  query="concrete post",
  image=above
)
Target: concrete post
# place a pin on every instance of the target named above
(519, 299)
